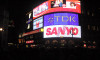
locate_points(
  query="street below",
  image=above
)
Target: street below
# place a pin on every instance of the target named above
(50, 54)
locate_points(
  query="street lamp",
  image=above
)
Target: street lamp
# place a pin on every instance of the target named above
(1, 29)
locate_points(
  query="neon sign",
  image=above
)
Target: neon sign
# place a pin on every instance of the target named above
(30, 41)
(61, 19)
(62, 31)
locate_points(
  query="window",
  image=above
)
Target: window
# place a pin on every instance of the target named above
(94, 42)
(93, 27)
(88, 27)
(82, 11)
(47, 42)
(28, 26)
(97, 28)
(92, 14)
(54, 41)
(63, 41)
(88, 13)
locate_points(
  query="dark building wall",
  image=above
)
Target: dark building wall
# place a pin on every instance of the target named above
(88, 18)
(89, 21)
(4, 18)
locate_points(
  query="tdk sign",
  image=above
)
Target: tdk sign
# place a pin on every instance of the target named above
(61, 19)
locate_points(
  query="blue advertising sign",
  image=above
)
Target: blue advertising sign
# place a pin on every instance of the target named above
(38, 23)
(61, 19)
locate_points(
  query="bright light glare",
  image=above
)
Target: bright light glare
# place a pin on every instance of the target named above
(42, 29)
(1, 29)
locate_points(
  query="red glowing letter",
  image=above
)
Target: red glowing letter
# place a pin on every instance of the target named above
(37, 24)
(54, 31)
(61, 30)
(68, 30)
(48, 31)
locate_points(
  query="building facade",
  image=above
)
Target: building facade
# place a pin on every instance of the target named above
(4, 18)
(59, 24)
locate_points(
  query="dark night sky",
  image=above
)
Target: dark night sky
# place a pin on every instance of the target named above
(18, 10)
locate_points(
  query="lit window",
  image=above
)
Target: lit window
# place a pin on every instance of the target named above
(55, 41)
(28, 27)
(92, 14)
(20, 36)
(63, 41)
(85, 45)
(94, 46)
(84, 41)
(26, 46)
(82, 12)
(47, 42)
(19, 40)
(88, 27)
(94, 42)
(22, 41)
(93, 27)
(30, 15)
(88, 13)
(89, 46)
(97, 28)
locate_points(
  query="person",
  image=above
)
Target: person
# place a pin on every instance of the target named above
(56, 3)
(61, 3)
(72, 4)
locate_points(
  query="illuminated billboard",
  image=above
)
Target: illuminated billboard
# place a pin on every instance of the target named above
(41, 8)
(38, 23)
(62, 31)
(56, 6)
(61, 19)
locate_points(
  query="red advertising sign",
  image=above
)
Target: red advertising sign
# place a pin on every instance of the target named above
(30, 41)
(62, 31)
(56, 6)
(39, 10)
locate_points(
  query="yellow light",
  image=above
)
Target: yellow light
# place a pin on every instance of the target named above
(42, 29)
(1, 29)
(61, 36)
(26, 46)
(10, 43)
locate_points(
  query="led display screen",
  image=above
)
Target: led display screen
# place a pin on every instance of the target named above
(67, 4)
(37, 26)
(57, 6)
(41, 8)
(61, 19)
(62, 31)
(38, 23)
